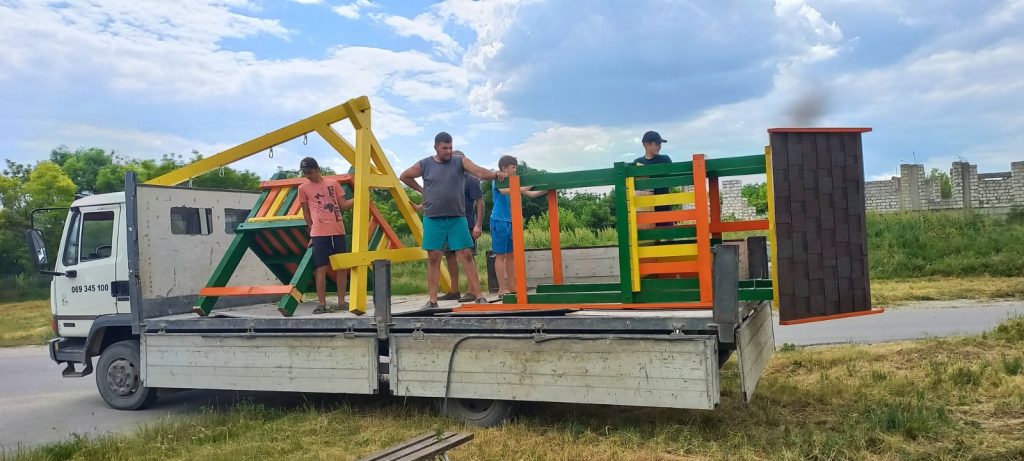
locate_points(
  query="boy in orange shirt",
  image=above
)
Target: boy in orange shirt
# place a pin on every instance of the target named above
(322, 201)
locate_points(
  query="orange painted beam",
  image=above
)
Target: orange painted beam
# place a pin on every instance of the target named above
(700, 199)
(716, 206)
(388, 231)
(288, 241)
(740, 226)
(612, 306)
(654, 217)
(846, 315)
(266, 203)
(293, 182)
(518, 244)
(556, 244)
(279, 290)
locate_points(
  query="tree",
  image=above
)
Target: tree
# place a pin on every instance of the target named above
(84, 166)
(942, 179)
(756, 196)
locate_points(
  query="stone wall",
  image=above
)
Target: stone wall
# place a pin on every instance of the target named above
(912, 190)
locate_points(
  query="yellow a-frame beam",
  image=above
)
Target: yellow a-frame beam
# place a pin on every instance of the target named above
(372, 171)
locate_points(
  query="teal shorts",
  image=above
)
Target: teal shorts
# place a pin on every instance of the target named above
(442, 230)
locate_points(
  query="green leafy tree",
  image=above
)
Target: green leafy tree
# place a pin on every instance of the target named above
(945, 185)
(756, 196)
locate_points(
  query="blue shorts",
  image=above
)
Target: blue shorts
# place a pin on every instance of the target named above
(446, 233)
(326, 246)
(501, 237)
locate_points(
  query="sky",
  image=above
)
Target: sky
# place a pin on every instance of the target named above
(562, 85)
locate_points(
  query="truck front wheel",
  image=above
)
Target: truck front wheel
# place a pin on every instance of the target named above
(118, 377)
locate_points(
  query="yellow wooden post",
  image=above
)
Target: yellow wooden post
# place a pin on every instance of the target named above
(634, 254)
(770, 192)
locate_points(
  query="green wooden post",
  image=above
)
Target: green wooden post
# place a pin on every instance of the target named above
(228, 264)
(622, 230)
(300, 280)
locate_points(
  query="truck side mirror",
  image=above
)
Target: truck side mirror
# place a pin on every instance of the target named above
(37, 249)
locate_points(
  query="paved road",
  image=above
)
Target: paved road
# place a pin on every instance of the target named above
(931, 319)
(39, 406)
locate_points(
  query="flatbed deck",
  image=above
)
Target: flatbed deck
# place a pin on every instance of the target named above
(406, 315)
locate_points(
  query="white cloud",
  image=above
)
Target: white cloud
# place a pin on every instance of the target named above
(490, 21)
(308, 2)
(425, 26)
(354, 10)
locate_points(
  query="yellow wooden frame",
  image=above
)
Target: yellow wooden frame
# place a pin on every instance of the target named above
(372, 171)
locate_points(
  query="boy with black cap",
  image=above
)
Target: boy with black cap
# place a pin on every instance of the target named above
(322, 200)
(652, 156)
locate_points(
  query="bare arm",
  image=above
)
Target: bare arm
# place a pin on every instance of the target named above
(481, 172)
(479, 212)
(535, 193)
(309, 221)
(409, 177)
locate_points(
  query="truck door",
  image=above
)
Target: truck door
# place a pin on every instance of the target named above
(88, 259)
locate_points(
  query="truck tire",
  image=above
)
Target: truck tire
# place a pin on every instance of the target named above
(118, 377)
(479, 412)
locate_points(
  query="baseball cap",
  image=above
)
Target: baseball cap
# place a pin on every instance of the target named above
(652, 136)
(308, 162)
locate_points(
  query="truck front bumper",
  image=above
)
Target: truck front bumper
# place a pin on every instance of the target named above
(67, 350)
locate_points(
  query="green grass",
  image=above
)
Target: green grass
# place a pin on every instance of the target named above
(948, 244)
(25, 323)
(927, 400)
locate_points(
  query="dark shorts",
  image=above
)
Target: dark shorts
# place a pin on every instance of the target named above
(327, 246)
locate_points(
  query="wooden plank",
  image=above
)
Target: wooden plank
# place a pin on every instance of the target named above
(450, 440)
(509, 307)
(556, 243)
(703, 227)
(664, 182)
(623, 232)
(225, 269)
(271, 197)
(755, 342)
(689, 267)
(578, 288)
(739, 226)
(518, 257)
(655, 217)
(382, 455)
(302, 278)
(296, 182)
(634, 263)
(574, 298)
(286, 205)
(678, 198)
(667, 233)
(250, 291)
(655, 251)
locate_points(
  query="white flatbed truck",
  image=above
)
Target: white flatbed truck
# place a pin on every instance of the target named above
(129, 266)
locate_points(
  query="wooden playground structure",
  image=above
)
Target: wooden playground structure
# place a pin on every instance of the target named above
(665, 257)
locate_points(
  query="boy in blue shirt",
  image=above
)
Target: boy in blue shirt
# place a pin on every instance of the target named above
(501, 226)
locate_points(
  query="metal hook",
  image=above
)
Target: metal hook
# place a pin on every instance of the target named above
(271, 152)
(304, 140)
(222, 172)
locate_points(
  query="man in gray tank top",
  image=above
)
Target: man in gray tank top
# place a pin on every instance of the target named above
(444, 211)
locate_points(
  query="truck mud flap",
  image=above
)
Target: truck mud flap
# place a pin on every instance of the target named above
(755, 343)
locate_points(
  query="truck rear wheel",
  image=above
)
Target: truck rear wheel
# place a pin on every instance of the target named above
(479, 412)
(119, 379)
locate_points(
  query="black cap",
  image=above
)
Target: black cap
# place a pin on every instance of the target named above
(652, 136)
(308, 162)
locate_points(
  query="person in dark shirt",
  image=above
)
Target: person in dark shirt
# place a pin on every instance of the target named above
(652, 142)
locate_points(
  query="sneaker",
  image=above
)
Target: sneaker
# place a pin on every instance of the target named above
(321, 309)
(467, 298)
(449, 297)
(429, 305)
(482, 301)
